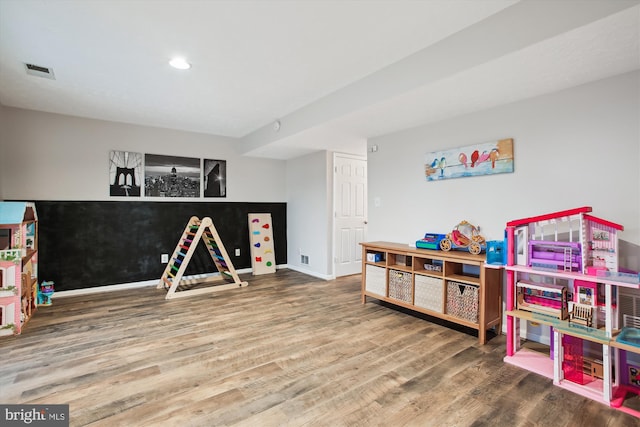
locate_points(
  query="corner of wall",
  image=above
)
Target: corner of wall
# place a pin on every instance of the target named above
(4, 138)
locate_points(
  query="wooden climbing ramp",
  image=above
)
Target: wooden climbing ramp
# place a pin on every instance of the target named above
(172, 280)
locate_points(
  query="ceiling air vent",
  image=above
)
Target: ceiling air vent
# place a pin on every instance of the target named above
(40, 71)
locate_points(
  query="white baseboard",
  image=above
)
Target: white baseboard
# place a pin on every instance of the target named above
(542, 339)
(106, 288)
(541, 336)
(132, 285)
(311, 273)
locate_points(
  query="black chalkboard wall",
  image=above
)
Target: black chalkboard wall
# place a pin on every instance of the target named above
(95, 243)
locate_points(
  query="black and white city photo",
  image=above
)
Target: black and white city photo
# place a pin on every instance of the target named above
(171, 176)
(215, 178)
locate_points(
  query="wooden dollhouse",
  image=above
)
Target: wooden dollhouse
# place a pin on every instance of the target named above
(18, 265)
(562, 272)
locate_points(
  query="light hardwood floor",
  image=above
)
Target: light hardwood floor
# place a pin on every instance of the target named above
(288, 350)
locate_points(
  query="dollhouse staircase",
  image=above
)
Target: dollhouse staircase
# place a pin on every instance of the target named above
(567, 258)
(196, 231)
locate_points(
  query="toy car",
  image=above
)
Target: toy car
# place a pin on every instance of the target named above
(464, 235)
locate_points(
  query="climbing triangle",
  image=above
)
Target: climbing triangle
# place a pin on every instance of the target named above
(198, 230)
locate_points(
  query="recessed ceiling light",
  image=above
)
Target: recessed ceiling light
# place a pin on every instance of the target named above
(180, 63)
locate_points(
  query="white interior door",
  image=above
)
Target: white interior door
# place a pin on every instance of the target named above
(350, 213)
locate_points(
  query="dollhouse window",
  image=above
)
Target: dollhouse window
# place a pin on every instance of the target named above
(585, 296)
(601, 235)
(5, 239)
(629, 308)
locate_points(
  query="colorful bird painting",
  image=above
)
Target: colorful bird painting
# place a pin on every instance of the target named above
(493, 155)
(474, 158)
(463, 159)
(483, 157)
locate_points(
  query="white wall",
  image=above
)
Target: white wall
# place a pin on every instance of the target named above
(573, 148)
(309, 207)
(3, 143)
(55, 157)
(578, 147)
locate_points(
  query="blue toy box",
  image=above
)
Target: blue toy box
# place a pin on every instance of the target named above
(374, 257)
(496, 252)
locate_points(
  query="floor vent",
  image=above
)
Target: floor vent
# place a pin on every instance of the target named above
(40, 71)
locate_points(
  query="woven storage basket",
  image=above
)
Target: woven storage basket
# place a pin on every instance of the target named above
(428, 293)
(375, 280)
(462, 301)
(400, 286)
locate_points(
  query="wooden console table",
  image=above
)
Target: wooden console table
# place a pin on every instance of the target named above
(455, 286)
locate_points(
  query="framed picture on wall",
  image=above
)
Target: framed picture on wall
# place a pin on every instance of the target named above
(215, 178)
(487, 158)
(171, 176)
(125, 173)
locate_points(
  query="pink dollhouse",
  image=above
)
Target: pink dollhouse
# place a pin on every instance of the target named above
(562, 272)
(18, 265)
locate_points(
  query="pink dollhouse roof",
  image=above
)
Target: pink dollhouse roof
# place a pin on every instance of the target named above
(604, 222)
(17, 212)
(555, 215)
(567, 213)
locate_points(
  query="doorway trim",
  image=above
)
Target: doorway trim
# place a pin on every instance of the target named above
(334, 171)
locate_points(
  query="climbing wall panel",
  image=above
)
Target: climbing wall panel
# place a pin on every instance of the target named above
(263, 258)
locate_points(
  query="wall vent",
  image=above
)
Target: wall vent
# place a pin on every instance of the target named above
(40, 71)
(304, 259)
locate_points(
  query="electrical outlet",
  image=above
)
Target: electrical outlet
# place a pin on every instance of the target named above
(164, 258)
(237, 251)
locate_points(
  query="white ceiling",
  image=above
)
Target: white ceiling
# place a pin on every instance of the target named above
(333, 72)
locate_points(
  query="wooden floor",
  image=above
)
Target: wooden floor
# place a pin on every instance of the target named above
(289, 350)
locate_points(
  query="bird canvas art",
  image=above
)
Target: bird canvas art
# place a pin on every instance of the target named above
(479, 159)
